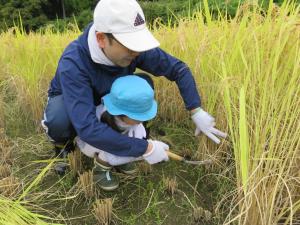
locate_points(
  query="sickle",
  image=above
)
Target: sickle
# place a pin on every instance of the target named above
(176, 157)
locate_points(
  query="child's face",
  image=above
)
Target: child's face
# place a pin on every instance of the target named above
(129, 121)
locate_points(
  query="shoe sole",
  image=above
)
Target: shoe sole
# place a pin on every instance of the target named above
(109, 188)
(127, 172)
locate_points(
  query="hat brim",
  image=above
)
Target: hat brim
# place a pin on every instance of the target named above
(150, 114)
(138, 41)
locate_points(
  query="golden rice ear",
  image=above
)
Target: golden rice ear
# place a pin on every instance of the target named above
(86, 184)
(75, 162)
(200, 214)
(144, 168)
(170, 185)
(103, 211)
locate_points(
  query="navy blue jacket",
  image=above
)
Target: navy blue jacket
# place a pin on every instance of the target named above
(83, 82)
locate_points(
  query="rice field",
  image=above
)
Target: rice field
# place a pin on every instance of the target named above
(247, 69)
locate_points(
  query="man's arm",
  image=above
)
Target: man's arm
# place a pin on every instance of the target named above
(160, 63)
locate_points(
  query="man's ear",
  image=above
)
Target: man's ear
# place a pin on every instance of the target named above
(100, 36)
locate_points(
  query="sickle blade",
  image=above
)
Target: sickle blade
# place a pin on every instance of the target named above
(204, 162)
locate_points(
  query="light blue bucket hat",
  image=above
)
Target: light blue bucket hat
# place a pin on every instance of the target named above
(131, 96)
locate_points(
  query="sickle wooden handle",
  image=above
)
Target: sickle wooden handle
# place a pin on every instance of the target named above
(174, 156)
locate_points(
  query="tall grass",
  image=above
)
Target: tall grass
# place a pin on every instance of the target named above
(29, 61)
(248, 72)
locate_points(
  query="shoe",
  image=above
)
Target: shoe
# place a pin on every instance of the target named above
(60, 167)
(103, 176)
(128, 168)
(61, 152)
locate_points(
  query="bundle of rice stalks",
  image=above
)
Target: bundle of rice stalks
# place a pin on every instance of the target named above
(14, 212)
(170, 185)
(75, 162)
(144, 168)
(103, 211)
(86, 184)
(200, 214)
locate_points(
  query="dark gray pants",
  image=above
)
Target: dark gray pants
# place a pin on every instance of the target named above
(56, 121)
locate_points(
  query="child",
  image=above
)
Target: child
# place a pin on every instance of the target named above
(129, 103)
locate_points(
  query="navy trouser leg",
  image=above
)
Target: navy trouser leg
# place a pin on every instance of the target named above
(56, 121)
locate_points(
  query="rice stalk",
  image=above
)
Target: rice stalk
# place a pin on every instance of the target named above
(12, 213)
(103, 211)
(5, 170)
(201, 215)
(10, 186)
(144, 168)
(86, 184)
(75, 162)
(170, 185)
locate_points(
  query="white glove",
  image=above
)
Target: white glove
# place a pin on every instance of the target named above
(205, 123)
(137, 131)
(158, 152)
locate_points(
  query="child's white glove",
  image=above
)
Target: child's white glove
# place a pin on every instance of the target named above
(205, 123)
(137, 131)
(158, 152)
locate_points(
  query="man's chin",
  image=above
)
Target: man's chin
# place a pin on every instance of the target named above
(124, 64)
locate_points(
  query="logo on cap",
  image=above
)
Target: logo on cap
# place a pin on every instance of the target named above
(138, 20)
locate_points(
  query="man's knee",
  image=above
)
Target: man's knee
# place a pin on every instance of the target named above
(147, 78)
(56, 121)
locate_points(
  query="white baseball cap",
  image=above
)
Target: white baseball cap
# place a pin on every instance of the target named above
(126, 21)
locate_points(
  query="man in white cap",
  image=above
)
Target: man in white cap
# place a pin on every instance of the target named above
(114, 45)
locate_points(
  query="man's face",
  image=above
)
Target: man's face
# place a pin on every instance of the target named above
(115, 51)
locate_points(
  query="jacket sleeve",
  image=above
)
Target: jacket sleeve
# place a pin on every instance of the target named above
(78, 98)
(159, 63)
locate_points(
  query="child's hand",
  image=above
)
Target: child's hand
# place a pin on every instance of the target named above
(156, 152)
(137, 131)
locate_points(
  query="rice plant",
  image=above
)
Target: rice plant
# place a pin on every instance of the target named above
(29, 61)
(248, 72)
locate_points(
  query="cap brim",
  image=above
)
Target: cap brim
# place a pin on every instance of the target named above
(113, 110)
(138, 41)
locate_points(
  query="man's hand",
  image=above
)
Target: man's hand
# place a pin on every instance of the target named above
(205, 123)
(156, 152)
